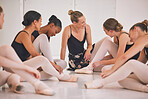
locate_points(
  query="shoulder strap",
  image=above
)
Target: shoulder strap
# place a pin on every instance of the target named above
(120, 35)
(23, 31)
(70, 29)
(85, 33)
(125, 33)
(19, 33)
(117, 40)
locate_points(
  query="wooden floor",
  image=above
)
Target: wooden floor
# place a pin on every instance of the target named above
(67, 90)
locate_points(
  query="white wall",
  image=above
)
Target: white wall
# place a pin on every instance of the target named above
(12, 20)
(96, 12)
(95, 16)
(129, 12)
(92, 10)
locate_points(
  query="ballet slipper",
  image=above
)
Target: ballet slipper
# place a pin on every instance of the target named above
(95, 84)
(84, 70)
(47, 91)
(68, 78)
(14, 84)
(17, 88)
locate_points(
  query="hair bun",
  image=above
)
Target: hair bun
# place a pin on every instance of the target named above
(30, 16)
(53, 17)
(70, 12)
(25, 23)
(119, 27)
(145, 22)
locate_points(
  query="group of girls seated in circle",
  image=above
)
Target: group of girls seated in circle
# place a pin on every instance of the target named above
(29, 58)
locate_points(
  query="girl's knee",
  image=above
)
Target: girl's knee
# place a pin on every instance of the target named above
(104, 39)
(64, 64)
(61, 63)
(41, 59)
(43, 36)
(6, 47)
(131, 63)
(107, 39)
(106, 68)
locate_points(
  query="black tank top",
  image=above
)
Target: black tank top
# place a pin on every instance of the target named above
(20, 48)
(36, 34)
(128, 47)
(74, 45)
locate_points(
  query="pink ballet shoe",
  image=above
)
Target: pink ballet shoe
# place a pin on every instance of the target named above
(68, 78)
(17, 88)
(45, 91)
(84, 70)
(95, 84)
(48, 92)
(14, 84)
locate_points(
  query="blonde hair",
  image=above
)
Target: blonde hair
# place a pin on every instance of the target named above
(112, 24)
(74, 15)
